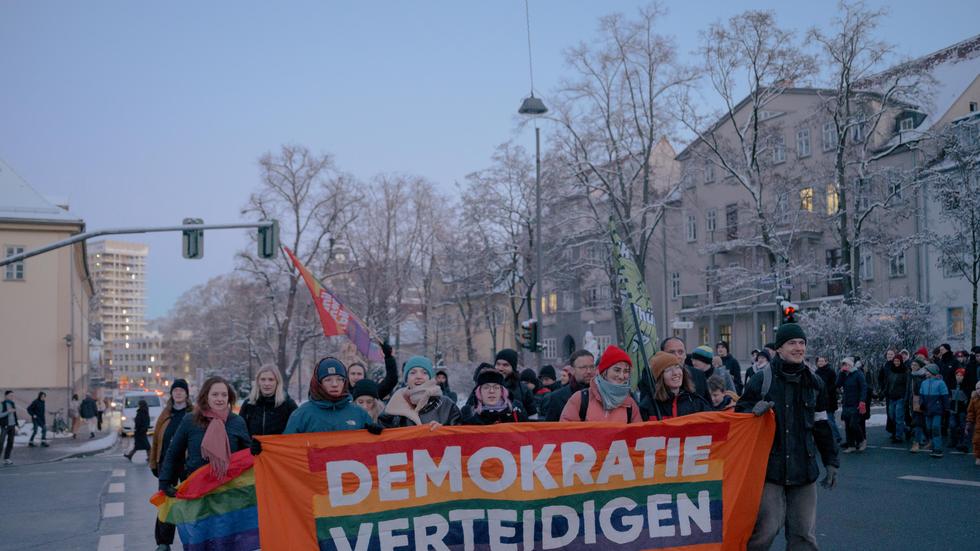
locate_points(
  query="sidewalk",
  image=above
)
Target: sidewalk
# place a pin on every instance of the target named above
(63, 446)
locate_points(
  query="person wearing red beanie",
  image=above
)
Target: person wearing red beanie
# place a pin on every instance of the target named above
(608, 396)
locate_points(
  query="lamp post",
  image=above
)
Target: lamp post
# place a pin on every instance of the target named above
(532, 106)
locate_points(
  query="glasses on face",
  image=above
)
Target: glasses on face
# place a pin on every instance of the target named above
(491, 387)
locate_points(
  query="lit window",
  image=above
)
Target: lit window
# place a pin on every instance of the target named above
(553, 302)
(833, 200)
(956, 321)
(806, 199)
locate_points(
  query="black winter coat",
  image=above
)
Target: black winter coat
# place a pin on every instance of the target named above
(36, 411)
(735, 369)
(829, 378)
(141, 424)
(519, 394)
(184, 452)
(853, 386)
(896, 381)
(264, 417)
(555, 400)
(87, 409)
(687, 403)
(800, 398)
(388, 384)
(509, 415)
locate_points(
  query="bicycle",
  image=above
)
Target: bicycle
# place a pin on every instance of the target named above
(58, 423)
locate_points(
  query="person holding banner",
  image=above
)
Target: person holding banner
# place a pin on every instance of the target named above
(674, 395)
(421, 401)
(207, 436)
(581, 370)
(330, 407)
(268, 407)
(492, 402)
(608, 397)
(365, 394)
(506, 363)
(799, 400)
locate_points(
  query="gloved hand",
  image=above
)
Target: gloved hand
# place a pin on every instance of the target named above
(862, 408)
(256, 447)
(170, 490)
(830, 481)
(374, 428)
(386, 348)
(761, 407)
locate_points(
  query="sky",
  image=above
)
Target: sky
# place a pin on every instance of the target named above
(143, 114)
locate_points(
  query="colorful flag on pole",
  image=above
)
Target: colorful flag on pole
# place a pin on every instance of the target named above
(336, 318)
(639, 325)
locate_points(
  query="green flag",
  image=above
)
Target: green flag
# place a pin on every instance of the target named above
(639, 325)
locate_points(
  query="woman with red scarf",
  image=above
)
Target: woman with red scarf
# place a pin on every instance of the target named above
(208, 436)
(674, 395)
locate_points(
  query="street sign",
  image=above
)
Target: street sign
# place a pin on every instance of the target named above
(677, 324)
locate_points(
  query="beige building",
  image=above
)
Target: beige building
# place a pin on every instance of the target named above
(44, 300)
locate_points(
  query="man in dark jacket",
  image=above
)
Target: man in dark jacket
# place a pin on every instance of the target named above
(896, 381)
(8, 425)
(854, 388)
(37, 413)
(798, 398)
(506, 364)
(88, 410)
(583, 370)
(829, 378)
(731, 364)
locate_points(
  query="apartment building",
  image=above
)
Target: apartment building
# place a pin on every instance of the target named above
(150, 361)
(119, 271)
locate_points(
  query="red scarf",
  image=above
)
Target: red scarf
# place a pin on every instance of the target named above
(215, 447)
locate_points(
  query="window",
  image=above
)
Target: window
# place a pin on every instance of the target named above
(763, 332)
(549, 348)
(553, 302)
(906, 124)
(731, 221)
(833, 200)
(711, 221)
(704, 334)
(803, 143)
(835, 283)
(867, 266)
(829, 140)
(692, 228)
(597, 296)
(675, 285)
(709, 172)
(896, 189)
(567, 300)
(603, 342)
(778, 149)
(15, 271)
(806, 199)
(857, 132)
(725, 333)
(955, 322)
(896, 265)
(973, 107)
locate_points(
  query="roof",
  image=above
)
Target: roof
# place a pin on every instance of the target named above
(19, 201)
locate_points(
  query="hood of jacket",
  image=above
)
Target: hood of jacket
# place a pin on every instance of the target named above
(334, 404)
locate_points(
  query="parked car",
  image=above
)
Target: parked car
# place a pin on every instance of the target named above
(131, 401)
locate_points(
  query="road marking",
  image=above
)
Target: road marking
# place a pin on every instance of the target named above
(113, 510)
(115, 542)
(952, 481)
(117, 488)
(118, 472)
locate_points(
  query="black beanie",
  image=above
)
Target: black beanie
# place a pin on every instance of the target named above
(508, 355)
(180, 383)
(548, 371)
(528, 376)
(489, 376)
(365, 387)
(479, 369)
(789, 331)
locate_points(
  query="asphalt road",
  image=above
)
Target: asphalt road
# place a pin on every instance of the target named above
(100, 503)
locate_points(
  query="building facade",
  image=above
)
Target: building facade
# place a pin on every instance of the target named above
(118, 270)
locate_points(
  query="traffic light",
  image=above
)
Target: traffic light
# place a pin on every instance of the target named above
(269, 240)
(789, 311)
(529, 335)
(193, 239)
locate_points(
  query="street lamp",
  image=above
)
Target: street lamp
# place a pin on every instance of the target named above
(532, 106)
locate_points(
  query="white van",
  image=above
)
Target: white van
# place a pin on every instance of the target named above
(131, 401)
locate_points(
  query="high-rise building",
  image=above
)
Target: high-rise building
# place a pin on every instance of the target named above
(119, 271)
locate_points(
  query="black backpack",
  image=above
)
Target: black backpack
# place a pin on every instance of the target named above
(583, 407)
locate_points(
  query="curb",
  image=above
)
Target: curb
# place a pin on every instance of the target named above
(113, 440)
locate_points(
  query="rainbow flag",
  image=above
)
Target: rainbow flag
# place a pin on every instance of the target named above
(215, 514)
(336, 318)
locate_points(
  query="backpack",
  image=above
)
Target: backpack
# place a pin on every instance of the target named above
(583, 407)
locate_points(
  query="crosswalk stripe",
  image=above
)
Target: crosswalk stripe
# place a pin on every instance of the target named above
(113, 510)
(117, 488)
(118, 472)
(952, 481)
(114, 542)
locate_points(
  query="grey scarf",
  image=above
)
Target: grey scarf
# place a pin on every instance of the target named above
(612, 394)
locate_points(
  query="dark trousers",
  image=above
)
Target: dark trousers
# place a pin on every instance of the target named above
(164, 533)
(98, 419)
(853, 426)
(39, 427)
(791, 508)
(7, 439)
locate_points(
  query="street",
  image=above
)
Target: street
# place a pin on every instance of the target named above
(100, 502)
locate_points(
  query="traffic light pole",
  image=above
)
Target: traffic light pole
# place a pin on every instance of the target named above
(123, 231)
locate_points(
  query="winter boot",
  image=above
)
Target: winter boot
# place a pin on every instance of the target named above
(915, 447)
(863, 446)
(31, 445)
(163, 547)
(44, 444)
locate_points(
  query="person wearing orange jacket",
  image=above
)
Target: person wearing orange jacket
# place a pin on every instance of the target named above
(608, 397)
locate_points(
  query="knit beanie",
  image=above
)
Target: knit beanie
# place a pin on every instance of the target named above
(548, 371)
(933, 369)
(661, 361)
(480, 369)
(420, 361)
(508, 355)
(528, 376)
(703, 353)
(330, 366)
(613, 355)
(788, 332)
(365, 387)
(849, 361)
(180, 383)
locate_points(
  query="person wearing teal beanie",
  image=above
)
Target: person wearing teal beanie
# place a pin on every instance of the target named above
(422, 363)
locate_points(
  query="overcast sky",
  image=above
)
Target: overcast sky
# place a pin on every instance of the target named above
(146, 113)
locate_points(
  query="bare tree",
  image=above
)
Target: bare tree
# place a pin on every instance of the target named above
(315, 204)
(860, 102)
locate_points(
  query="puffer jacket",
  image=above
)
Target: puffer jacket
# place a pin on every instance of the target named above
(854, 387)
(896, 381)
(327, 416)
(802, 429)
(265, 417)
(595, 410)
(439, 408)
(934, 396)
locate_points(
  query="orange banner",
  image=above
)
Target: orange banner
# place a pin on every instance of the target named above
(690, 483)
